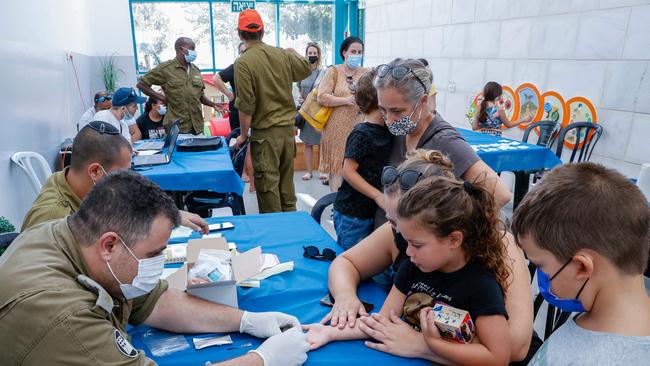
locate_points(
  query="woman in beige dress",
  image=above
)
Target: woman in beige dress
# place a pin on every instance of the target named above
(340, 95)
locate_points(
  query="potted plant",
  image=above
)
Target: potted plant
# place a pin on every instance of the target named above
(110, 72)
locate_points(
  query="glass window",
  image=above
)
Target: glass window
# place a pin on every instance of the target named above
(226, 39)
(158, 25)
(303, 23)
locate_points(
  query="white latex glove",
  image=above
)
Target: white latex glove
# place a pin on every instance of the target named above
(285, 349)
(264, 325)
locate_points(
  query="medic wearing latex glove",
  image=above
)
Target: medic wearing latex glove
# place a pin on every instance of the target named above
(264, 325)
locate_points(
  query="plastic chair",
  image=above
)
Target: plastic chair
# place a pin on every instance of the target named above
(5, 240)
(547, 132)
(35, 166)
(587, 136)
(321, 204)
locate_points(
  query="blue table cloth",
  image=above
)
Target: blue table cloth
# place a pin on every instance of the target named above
(197, 171)
(504, 154)
(297, 292)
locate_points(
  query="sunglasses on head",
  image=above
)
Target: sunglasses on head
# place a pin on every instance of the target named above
(398, 73)
(103, 99)
(314, 253)
(103, 127)
(407, 178)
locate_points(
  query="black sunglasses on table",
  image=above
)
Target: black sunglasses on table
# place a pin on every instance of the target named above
(407, 179)
(398, 73)
(314, 253)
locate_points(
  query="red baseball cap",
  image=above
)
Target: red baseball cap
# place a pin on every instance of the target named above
(250, 21)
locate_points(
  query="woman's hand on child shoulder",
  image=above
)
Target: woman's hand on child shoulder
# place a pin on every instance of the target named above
(318, 335)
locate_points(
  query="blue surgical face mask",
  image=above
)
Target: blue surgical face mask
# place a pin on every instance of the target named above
(191, 56)
(162, 110)
(569, 305)
(353, 61)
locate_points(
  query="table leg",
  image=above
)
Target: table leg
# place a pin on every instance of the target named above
(522, 181)
(237, 204)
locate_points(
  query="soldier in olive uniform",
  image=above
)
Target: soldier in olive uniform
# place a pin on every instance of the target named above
(70, 286)
(265, 75)
(183, 86)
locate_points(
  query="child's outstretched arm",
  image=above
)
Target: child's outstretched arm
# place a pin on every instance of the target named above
(508, 123)
(493, 349)
(352, 176)
(320, 335)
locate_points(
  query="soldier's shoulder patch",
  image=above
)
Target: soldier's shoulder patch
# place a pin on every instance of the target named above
(124, 346)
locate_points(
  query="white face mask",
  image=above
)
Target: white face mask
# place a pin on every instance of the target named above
(149, 272)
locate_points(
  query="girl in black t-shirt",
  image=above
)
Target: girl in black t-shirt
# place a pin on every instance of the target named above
(150, 122)
(456, 256)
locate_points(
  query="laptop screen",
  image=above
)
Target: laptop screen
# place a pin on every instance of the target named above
(173, 131)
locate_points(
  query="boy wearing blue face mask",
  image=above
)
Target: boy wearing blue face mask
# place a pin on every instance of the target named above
(590, 254)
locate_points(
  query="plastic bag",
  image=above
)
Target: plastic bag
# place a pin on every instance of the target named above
(210, 266)
(162, 343)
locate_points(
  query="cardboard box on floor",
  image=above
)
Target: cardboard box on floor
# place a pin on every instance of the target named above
(243, 266)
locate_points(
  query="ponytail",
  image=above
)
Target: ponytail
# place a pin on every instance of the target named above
(491, 91)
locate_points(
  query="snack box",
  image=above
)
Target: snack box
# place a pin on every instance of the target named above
(454, 324)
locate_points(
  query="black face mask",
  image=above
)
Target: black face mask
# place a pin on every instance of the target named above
(313, 59)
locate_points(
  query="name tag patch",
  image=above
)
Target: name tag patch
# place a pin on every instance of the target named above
(124, 346)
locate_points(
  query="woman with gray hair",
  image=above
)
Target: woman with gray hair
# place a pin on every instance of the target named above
(403, 93)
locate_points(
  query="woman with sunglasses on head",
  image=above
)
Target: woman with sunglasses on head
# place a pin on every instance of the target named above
(339, 93)
(308, 134)
(403, 93)
(385, 249)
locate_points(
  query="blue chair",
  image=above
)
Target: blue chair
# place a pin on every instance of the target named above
(321, 204)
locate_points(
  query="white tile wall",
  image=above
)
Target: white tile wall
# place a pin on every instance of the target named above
(622, 78)
(480, 40)
(468, 74)
(637, 42)
(554, 37)
(463, 11)
(577, 78)
(453, 40)
(599, 49)
(602, 34)
(637, 147)
(441, 12)
(500, 71)
(514, 38)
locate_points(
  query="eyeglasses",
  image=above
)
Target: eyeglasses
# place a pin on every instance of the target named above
(103, 99)
(314, 253)
(398, 73)
(133, 94)
(407, 178)
(103, 127)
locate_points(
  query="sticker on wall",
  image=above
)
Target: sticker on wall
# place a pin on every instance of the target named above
(529, 103)
(510, 103)
(472, 109)
(579, 109)
(553, 108)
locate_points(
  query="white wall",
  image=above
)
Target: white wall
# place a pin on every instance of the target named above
(599, 49)
(40, 98)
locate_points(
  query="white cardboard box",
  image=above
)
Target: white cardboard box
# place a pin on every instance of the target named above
(243, 266)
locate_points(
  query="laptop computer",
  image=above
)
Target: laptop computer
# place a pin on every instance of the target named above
(157, 145)
(159, 159)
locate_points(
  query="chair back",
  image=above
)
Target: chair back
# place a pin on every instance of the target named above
(35, 166)
(587, 135)
(548, 131)
(321, 204)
